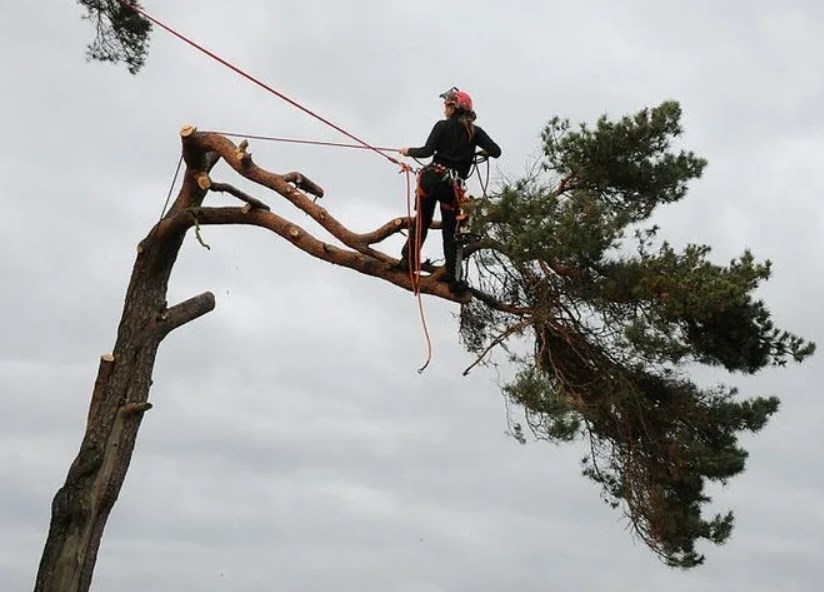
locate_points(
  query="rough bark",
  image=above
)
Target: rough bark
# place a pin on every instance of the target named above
(82, 506)
(120, 397)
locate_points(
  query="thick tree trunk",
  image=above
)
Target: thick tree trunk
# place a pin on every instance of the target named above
(120, 397)
(121, 391)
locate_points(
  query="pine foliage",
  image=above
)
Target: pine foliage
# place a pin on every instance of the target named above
(121, 35)
(618, 317)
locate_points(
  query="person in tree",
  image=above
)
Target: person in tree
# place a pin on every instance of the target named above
(453, 142)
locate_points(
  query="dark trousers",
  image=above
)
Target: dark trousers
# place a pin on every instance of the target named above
(434, 189)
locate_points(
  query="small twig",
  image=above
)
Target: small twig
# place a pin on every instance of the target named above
(496, 342)
(493, 302)
(242, 196)
(394, 226)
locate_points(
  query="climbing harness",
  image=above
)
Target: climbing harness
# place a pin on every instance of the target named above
(462, 201)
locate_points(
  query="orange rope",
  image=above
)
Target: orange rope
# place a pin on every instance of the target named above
(415, 264)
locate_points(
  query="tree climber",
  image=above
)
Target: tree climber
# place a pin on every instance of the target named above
(452, 142)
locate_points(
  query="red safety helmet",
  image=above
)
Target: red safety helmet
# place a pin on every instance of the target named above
(460, 99)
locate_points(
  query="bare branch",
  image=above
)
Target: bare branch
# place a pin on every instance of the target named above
(355, 260)
(244, 197)
(185, 312)
(517, 327)
(493, 302)
(393, 227)
(240, 160)
(303, 182)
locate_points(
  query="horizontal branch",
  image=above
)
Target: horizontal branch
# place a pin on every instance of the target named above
(503, 336)
(393, 227)
(390, 228)
(309, 244)
(185, 312)
(548, 267)
(242, 163)
(242, 196)
(493, 302)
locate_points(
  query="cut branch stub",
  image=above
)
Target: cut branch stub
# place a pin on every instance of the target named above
(241, 195)
(104, 372)
(242, 155)
(135, 408)
(303, 183)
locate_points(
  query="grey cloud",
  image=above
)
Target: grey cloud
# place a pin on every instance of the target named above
(292, 444)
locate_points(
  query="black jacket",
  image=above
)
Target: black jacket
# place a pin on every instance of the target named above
(452, 148)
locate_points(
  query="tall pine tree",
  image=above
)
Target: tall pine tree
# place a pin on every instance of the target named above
(568, 259)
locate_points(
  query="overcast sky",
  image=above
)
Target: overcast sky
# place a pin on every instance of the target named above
(292, 445)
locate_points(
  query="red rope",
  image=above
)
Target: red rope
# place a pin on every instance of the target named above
(258, 82)
(299, 141)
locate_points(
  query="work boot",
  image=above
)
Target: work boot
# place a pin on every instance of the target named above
(458, 287)
(403, 263)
